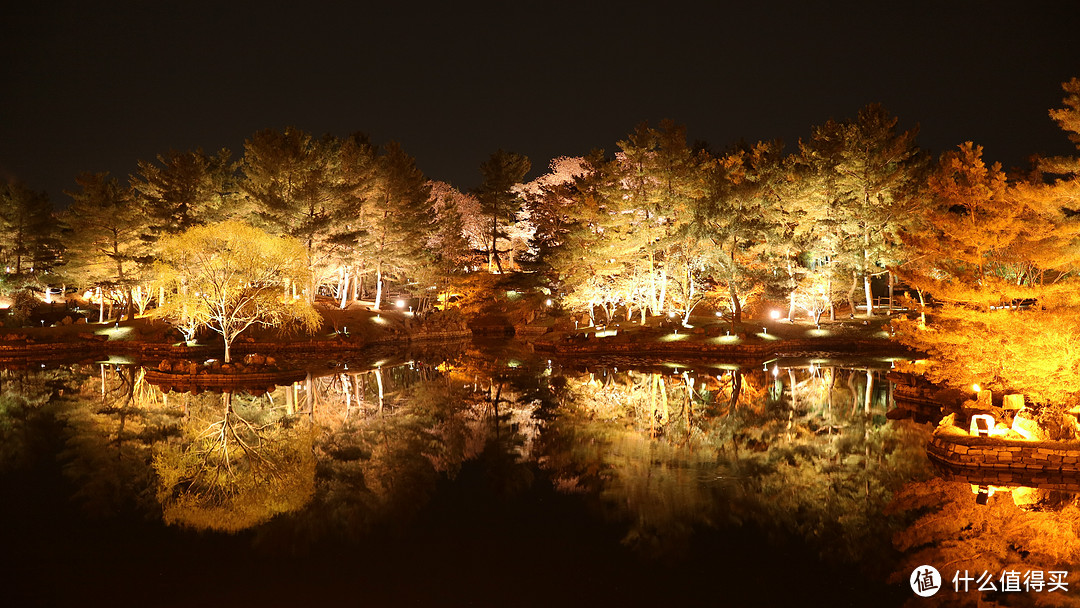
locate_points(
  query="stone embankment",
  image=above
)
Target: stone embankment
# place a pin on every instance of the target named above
(1005, 455)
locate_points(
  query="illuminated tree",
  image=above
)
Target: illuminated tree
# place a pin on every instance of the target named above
(499, 200)
(230, 276)
(1001, 262)
(550, 200)
(106, 249)
(312, 190)
(629, 244)
(400, 222)
(736, 213)
(184, 189)
(876, 171)
(447, 245)
(29, 233)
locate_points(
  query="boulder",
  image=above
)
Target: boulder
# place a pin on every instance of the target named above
(1012, 402)
(1026, 425)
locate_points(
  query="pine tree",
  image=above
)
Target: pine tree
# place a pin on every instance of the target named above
(400, 222)
(499, 200)
(107, 224)
(184, 189)
(29, 234)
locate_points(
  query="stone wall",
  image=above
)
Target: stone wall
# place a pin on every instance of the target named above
(995, 454)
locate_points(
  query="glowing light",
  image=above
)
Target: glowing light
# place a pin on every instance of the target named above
(671, 315)
(400, 303)
(976, 388)
(982, 425)
(547, 302)
(673, 337)
(718, 314)
(774, 314)
(775, 371)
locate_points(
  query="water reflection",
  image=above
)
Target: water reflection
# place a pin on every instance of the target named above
(784, 453)
(792, 449)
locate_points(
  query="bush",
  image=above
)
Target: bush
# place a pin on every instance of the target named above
(22, 308)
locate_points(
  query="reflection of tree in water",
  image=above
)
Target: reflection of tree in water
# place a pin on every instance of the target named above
(672, 452)
(386, 438)
(31, 401)
(113, 426)
(1020, 529)
(239, 463)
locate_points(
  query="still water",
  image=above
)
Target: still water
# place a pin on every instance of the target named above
(488, 475)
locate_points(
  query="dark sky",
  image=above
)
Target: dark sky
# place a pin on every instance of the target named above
(97, 86)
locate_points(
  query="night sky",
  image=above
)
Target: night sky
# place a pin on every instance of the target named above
(97, 86)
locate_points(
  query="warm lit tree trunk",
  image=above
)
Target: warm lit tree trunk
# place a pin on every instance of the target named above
(892, 283)
(378, 285)
(343, 290)
(866, 275)
(851, 292)
(662, 299)
(828, 293)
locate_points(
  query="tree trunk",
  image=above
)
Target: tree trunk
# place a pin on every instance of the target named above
(828, 293)
(892, 283)
(851, 292)
(661, 302)
(228, 345)
(343, 289)
(736, 308)
(869, 295)
(866, 276)
(378, 285)
(494, 239)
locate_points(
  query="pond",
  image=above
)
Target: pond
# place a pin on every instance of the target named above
(486, 474)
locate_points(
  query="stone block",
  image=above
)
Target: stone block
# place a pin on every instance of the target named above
(1012, 402)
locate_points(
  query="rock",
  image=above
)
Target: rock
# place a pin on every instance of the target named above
(80, 321)
(1026, 425)
(1012, 402)
(67, 321)
(270, 361)
(165, 366)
